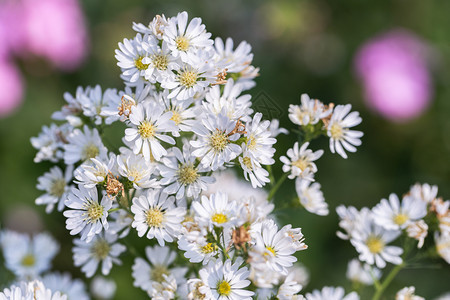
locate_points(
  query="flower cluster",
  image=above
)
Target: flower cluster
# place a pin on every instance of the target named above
(314, 118)
(29, 260)
(158, 160)
(420, 217)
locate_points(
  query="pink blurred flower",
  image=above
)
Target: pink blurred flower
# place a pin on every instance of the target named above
(11, 28)
(56, 30)
(11, 88)
(395, 75)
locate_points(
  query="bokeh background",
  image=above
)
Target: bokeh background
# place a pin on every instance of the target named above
(305, 46)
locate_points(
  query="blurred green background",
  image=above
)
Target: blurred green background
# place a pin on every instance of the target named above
(301, 47)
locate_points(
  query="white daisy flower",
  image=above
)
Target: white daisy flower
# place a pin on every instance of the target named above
(155, 27)
(183, 38)
(216, 210)
(33, 290)
(131, 58)
(149, 125)
(159, 60)
(259, 141)
(235, 61)
(100, 249)
(253, 169)
(63, 283)
(50, 142)
(156, 215)
(228, 98)
(311, 197)
(371, 242)
(331, 293)
(147, 275)
(189, 79)
(301, 161)
(181, 176)
(407, 293)
(338, 130)
(351, 220)
(87, 216)
(418, 230)
(273, 247)
(309, 112)
(263, 277)
(56, 185)
(83, 146)
(199, 250)
(94, 171)
(93, 102)
(28, 257)
(182, 114)
(225, 281)
(214, 146)
(102, 288)
(137, 170)
(395, 215)
(362, 273)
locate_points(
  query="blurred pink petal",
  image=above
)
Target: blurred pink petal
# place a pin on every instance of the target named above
(395, 75)
(11, 28)
(56, 30)
(11, 88)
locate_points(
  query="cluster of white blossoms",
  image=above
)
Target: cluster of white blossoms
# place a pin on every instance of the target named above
(420, 217)
(28, 259)
(314, 118)
(155, 160)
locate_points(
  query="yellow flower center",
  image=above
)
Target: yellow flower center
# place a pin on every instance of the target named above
(140, 65)
(187, 174)
(182, 43)
(157, 272)
(271, 250)
(28, 260)
(251, 143)
(219, 218)
(208, 248)
(223, 288)
(160, 61)
(146, 130)
(94, 211)
(101, 249)
(247, 162)
(176, 117)
(154, 217)
(58, 187)
(336, 131)
(90, 151)
(301, 163)
(218, 141)
(188, 78)
(375, 244)
(400, 219)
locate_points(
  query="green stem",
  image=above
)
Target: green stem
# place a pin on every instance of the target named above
(114, 209)
(277, 186)
(387, 281)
